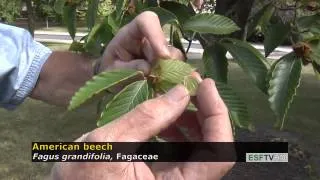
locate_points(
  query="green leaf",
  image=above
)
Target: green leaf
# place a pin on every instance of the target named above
(76, 47)
(172, 71)
(140, 5)
(99, 83)
(191, 84)
(307, 22)
(120, 8)
(265, 19)
(92, 12)
(216, 63)
(164, 86)
(100, 34)
(70, 19)
(169, 73)
(188, 81)
(125, 101)
(283, 85)
(58, 6)
(275, 35)
(315, 50)
(251, 60)
(269, 74)
(151, 3)
(210, 23)
(176, 41)
(305, 36)
(237, 108)
(113, 22)
(151, 91)
(316, 68)
(315, 29)
(184, 2)
(126, 19)
(181, 11)
(165, 16)
(103, 102)
(192, 107)
(261, 18)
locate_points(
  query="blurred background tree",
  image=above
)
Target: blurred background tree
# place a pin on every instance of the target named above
(9, 10)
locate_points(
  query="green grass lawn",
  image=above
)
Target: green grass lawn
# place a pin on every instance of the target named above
(56, 46)
(36, 121)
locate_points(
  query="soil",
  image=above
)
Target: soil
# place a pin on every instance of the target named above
(304, 159)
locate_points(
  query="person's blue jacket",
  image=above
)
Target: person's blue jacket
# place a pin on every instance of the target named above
(21, 59)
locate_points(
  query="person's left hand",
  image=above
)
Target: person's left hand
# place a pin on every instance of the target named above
(138, 45)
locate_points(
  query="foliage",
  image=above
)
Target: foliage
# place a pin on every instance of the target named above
(105, 8)
(10, 9)
(165, 75)
(44, 8)
(224, 30)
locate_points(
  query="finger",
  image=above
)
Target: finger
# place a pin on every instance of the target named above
(198, 3)
(215, 122)
(147, 51)
(147, 25)
(197, 76)
(176, 53)
(123, 47)
(193, 99)
(172, 134)
(130, 40)
(185, 128)
(146, 120)
(151, 56)
(124, 54)
(189, 126)
(82, 138)
(138, 64)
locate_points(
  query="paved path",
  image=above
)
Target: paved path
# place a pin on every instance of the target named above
(195, 51)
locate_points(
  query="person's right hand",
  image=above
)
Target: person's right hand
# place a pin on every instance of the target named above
(210, 124)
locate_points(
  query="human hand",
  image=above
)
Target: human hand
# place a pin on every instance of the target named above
(138, 45)
(150, 118)
(198, 3)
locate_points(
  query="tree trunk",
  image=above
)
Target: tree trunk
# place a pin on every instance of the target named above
(31, 24)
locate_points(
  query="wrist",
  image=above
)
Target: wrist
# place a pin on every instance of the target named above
(61, 76)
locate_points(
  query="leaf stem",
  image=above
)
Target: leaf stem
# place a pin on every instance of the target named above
(190, 42)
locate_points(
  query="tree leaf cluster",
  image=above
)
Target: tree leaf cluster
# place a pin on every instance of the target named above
(277, 79)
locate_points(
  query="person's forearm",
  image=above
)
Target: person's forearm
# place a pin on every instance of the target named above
(62, 75)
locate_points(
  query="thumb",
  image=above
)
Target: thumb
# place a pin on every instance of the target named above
(146, 120)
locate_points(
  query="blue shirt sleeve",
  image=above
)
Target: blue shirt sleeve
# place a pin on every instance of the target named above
(21, 59)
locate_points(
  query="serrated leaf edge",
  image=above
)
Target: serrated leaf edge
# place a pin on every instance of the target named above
(94, 78)
(118, 94)
(290, 100)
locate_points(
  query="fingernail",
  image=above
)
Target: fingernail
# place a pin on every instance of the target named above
(197, 76)
(177, 93)
(165, 52)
